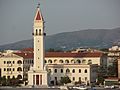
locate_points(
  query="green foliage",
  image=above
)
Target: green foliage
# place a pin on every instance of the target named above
(10, 81)
(102, 73)
(65, 80)
(112, 69)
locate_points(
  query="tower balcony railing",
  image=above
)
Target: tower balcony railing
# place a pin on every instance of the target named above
(35, 34)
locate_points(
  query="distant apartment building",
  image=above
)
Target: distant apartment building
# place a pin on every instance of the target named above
(113, 54)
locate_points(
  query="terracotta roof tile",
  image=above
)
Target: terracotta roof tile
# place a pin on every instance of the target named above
(61, 54)
(69, 54)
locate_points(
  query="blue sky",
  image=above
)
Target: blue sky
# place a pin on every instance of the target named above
(16, 16)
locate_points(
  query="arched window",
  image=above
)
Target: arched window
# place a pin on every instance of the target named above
(19, 62)
(61, 70)
(49, 61)
(19, 69)
(73, 71)
(39, 31)
(89, 61)
(49, 70)
(61, 61)
(84, 61)
(45, 61)
(78, 61)
(79, 70)
(19, 76)
(85, 70)
(66, 61)
(36, 32)
(72, 61)
(55, 70)
(67, 70)
(55, 61)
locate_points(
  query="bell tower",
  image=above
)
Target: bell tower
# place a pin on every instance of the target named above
(38, 35)
(38, 75)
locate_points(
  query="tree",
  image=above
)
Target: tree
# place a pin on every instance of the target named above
(10, 81)
(65, 80)
(112, 69)
(3, 81)
(102, 73)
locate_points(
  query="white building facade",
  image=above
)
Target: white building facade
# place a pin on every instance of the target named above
(11, 66)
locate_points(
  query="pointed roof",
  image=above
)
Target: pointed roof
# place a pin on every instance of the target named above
(38, 15)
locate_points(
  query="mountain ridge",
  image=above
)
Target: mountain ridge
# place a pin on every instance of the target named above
(95, 38)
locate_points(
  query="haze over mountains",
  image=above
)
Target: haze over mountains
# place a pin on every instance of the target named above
(95, 38)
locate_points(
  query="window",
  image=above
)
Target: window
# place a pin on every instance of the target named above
(79, 70)
(39, 31)
(66, 61)
(73, 71)
(85, 78)
(56, 78)
(79, 78)
(13, 69)
(61, 70)
(19, 69)
(13, 62)
(55, 61)
(55, 70)
(85, 70)
(8, 69)
(8, 62)
(32, 62)
(36, 32)
(8, 77)
(19, 77)
(78, 61)
(61, 61)
(49, 61)
(49, 70)
(4, 62)
(13, 77)
(45, 61)
(73, 78)
(67, 71)
(83, 61)
(72, 61)
(19, 62)
(89, 61)
(4, 69)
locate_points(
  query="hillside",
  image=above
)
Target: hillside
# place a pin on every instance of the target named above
(97, 38)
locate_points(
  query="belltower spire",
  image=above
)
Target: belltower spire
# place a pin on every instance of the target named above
(38, 76)
(38, 16)
(38, 35)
